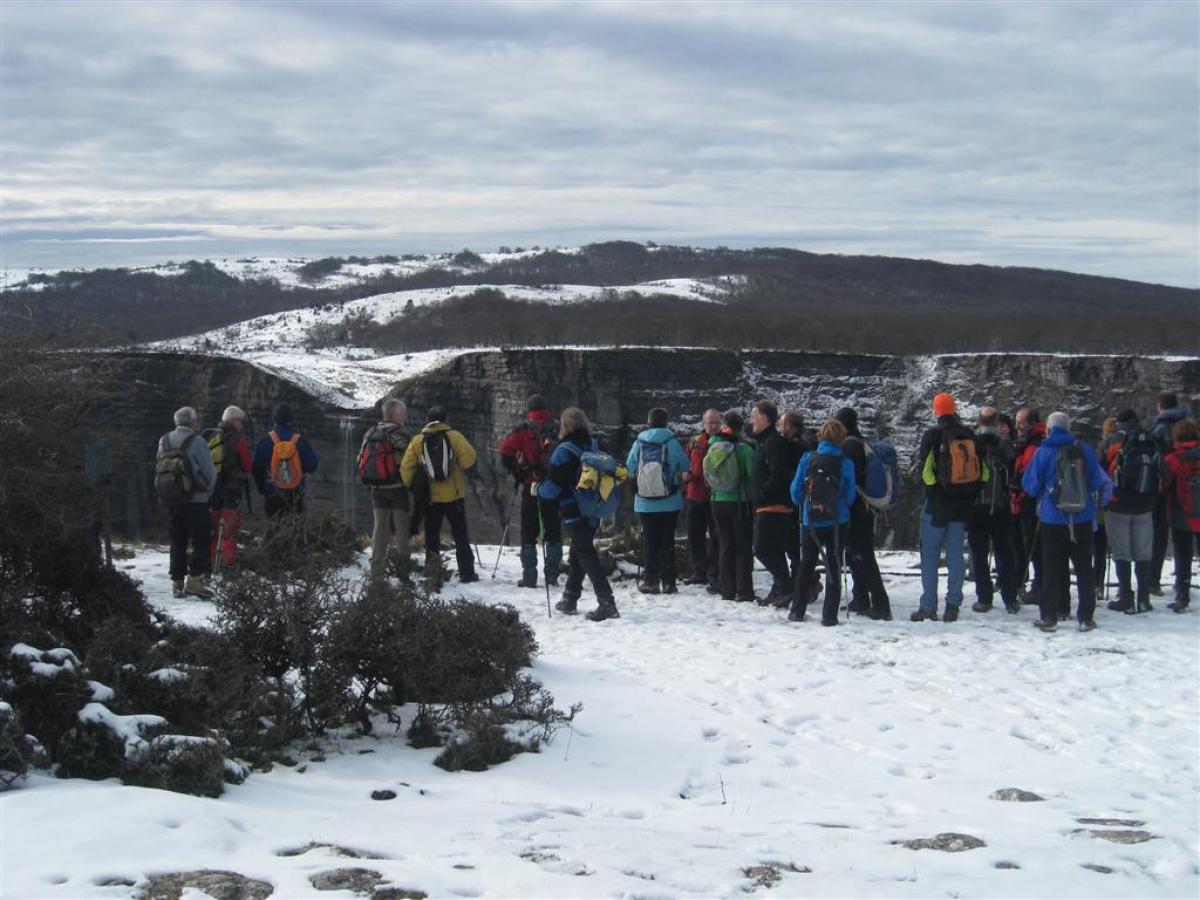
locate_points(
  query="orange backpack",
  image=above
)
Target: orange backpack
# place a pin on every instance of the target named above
(285, 471)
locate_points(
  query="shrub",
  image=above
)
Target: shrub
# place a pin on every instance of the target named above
(181, 763)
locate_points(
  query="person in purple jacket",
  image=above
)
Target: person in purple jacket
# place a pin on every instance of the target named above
(823, 488)
(1066, 536)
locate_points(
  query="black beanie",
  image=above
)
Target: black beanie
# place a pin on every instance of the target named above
(1127, 415)
(283, 414)
(535, 402)
(848, 417)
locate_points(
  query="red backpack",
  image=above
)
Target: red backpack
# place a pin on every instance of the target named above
(1187, 485)
(377, 466)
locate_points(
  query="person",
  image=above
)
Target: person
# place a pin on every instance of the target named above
(441, 456)
(383, 447)
(189, 519)
(1100, 555)
(774, 467)
(1070, 482)
(990, 526)
(657, 463)
(799, 440)
(953, 475)
(1129, 516)
(1183, 506)
(1169, 411)
(283, 460)
(701, 522)
(824, 489)
(870, 597)
(732, 510)
(231, 457)
(1031, 431)
(1007, 427)
(525, 453)
(562, 475)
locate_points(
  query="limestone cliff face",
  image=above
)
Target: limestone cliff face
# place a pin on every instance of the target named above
(485, 394)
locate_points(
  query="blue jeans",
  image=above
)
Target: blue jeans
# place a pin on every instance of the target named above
(933, 539)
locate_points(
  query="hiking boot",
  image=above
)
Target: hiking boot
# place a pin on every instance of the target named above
(951, 614)
(552, 580)
(568, 606)
(1087, 625)
(782, 601)
(469, 577)
(923, 615)
(829, 623)
(981, 607)
(669, 588)
(880, 614)
(796, 615)
(195, 587)
(1143, 605)
(1043, 625)
(1030, 597)
(1123, 603)
(858, 606)
(696, 580)
(648, 587)
(747, 599)
(177, 589)
(1156, 590)
(606, 610)
(528, 581)
(1012, 608)
(1178, 605)
(713, 589)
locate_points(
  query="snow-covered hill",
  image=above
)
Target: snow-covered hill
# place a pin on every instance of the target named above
(719, 748)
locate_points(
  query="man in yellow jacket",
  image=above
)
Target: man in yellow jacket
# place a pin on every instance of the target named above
(434, 465)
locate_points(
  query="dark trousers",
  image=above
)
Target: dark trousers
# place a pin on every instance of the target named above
(1100, 557)
(772, 540)
(735, 535)
(1061, 552)
(539, 518)
(1162, 530)
(1028, 550)
(993, 532)
(282, 504)
(190, 524)
(828, 542)
(658, 546)
(860, 557)
(584, 560)
(702, 541)
(456, 514)
(1185, 544)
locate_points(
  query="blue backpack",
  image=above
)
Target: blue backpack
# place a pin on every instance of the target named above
(881, 489)
(595, 467)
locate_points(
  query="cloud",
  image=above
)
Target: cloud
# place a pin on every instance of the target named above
(999, 133)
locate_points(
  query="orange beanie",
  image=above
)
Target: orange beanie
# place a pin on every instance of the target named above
(943, 405)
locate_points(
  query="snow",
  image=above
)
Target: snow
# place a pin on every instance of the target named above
(129, 728)
(714, 737)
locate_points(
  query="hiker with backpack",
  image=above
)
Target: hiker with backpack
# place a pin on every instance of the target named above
(283, 460)
(657, 463)
(1064, 477)
(1031, 431)
(1132, 459)
(231, 458)
(728, 470)
(701, 519)
(953, 475)
(525, 454)
(586, 483)
(434, 468)
(1183, 505)
(1100, 536)
(824, 489)
(379, 458)
(799, 440)
(775, 461)
(990, 526)
(879, 492)
(184, 476)
(1168, 412)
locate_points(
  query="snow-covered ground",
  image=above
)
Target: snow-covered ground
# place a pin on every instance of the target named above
(716, 737)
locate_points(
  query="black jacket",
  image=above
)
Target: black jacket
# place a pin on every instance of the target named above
(1126, 501)
(775, 463)
(942, 507)
(1000, 456)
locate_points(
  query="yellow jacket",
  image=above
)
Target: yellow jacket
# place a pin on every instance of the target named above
(454, 487)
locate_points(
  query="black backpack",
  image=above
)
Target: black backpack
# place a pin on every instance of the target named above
(1138, 467)
(1072, 489)
(823, 486)
(437, 456)
(995, 491)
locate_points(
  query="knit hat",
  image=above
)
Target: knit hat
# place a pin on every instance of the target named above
(943, 405)
(1127, 415)
(848, 417)
(283, 414)
(535, 402)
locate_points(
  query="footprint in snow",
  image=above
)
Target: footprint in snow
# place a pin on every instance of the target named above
(710, 733)
(734, 759)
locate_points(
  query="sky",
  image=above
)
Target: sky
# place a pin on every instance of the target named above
(1057, 135)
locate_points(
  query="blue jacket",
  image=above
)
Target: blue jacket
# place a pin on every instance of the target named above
(1038, 480)
(262, 459)
(1165, 423)
(675, 463)
(849, 491)
(562, 474)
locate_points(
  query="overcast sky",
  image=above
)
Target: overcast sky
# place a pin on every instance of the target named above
(1061, 135)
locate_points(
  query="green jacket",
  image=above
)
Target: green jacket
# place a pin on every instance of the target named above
(745, 459)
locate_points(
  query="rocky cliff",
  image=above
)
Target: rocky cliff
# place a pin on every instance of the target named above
(485, 394)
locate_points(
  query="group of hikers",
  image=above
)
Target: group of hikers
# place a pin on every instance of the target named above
(1017, 491)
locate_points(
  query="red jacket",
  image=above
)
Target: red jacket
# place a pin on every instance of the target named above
(696, 489)
(1184, 463)
(1025, 453)
(526, 451)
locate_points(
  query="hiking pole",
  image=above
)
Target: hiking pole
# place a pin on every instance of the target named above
(507, 525)
(216, 562)
(546, 579)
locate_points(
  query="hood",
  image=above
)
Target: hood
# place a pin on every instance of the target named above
(579, 439)
(829, 448)
(435, 426)
(539, 416)
(1172, 415)
(1190, 449)
(727, 435)
(1059, 437)
(656, 435)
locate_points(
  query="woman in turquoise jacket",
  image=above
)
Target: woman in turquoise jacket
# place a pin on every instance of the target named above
(656, 465)
(823, 479)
